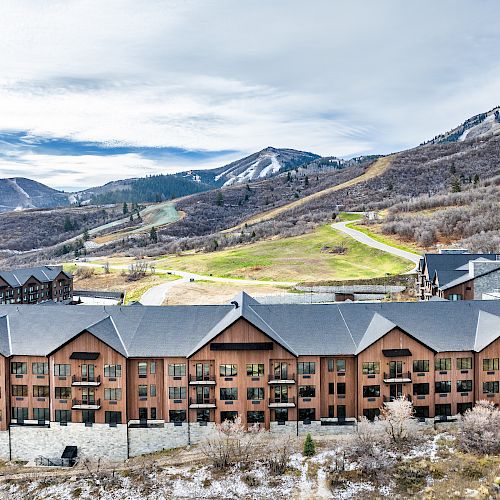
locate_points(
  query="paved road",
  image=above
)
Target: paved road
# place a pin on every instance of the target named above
(156, 295)
(363, 238)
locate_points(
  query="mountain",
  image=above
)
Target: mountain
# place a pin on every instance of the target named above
(17, 193)
(261, 165)
(479, 126)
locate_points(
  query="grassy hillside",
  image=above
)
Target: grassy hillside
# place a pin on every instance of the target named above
(300, 258)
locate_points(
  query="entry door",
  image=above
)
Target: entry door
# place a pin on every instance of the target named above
(396, 390)
(88, 416)
(202, 371)
(88, 373)
(281, 371)
(202, 394)
(395, 369)
(88, 396)
(281, 393)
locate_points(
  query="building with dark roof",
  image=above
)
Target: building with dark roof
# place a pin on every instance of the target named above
(35, 285)
(119, 381)
(458, 276)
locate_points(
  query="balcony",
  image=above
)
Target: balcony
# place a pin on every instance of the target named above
(282, 403)
(202, 380)
(86, 404)
(389, 399)
(281, 379)
(200, 403)
(397, 378)
(86, 381)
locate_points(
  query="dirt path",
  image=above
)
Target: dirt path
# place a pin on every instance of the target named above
(377, 168)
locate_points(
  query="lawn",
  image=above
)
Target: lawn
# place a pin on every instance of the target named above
(300, 258)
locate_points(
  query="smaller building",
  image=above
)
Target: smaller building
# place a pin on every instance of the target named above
(458, 276)
(35, 285)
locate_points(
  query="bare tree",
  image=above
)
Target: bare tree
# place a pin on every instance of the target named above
(398, 418)
(480, 429)
(106, 267)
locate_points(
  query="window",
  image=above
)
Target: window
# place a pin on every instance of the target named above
(203, 415)
(443, 386)
(113, 417)
(41, 414)
(341, 388)
(371, 391)
(307, 391)
(370, 368)
(421, 411)
(143, 413)
(255, 393)
(63, 392)
(307, 368)
(341, 412)
(228, 393)
(341, 365)
(463, 407)
(62, 370)
(281, 415)
(307, 414)
(152, 367)
(371, 413)
(255, 370)
(177, 393)
(114, 371)
(177, 370)
(331, 411)
(331, 364)
(20, 413)
(143, 391)
(228, 370)
(88, 416)
(19, 368)
(254, 417)
(152, 390)
(228, 415)
(443, 364)
(443, 410)
(63, 415)
(20, 390)
(490, 364)
(152, 412)
(464, 363)
(113, 394)
(40, 368)
(40, 391)
(421, 365)
(464, 385)
(490, 387)
(331, 388)
(142, 368)
(280, 394)
(454, 296)
(420, 389)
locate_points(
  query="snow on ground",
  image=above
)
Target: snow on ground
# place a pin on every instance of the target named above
(272, 168)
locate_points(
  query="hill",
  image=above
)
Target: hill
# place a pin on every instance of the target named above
(18, 193)
(264, 164)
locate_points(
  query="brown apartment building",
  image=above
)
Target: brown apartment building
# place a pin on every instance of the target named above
(35, 285)
(458, 276)
(120, 381)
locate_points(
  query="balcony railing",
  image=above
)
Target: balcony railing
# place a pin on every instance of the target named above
(202, 379)
(282, 402)
(388, 399)
(282, 378)
(397, 377)
(86, 404)
(81, 380)
(202, 403)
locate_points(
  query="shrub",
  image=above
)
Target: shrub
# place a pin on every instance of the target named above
(309, 446)
(478, 429)
(398, 418)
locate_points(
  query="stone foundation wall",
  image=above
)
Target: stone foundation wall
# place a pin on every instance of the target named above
(4, 445)
(151, 439)
(98, 441)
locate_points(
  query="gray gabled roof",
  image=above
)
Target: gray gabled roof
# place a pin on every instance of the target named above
(44, 274)
(302, 329)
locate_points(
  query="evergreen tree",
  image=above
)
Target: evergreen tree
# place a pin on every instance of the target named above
(476, 180)
(86, 236)
(288, 177)
(153, 235)
(456, 187)
(125, 208)
(309, 446)
(219, 199)
(306, 181)
(131, 217)
(68, 225)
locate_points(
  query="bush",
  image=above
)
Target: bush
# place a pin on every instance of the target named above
(478, 431)
(309, 446)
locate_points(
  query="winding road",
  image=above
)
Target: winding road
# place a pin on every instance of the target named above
(367, 240)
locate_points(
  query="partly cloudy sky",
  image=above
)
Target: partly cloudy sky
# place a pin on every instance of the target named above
(92, 90)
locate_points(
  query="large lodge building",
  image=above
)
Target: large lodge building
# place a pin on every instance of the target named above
(120, 381)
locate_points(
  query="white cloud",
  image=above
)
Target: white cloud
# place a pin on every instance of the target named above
(340, 77)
